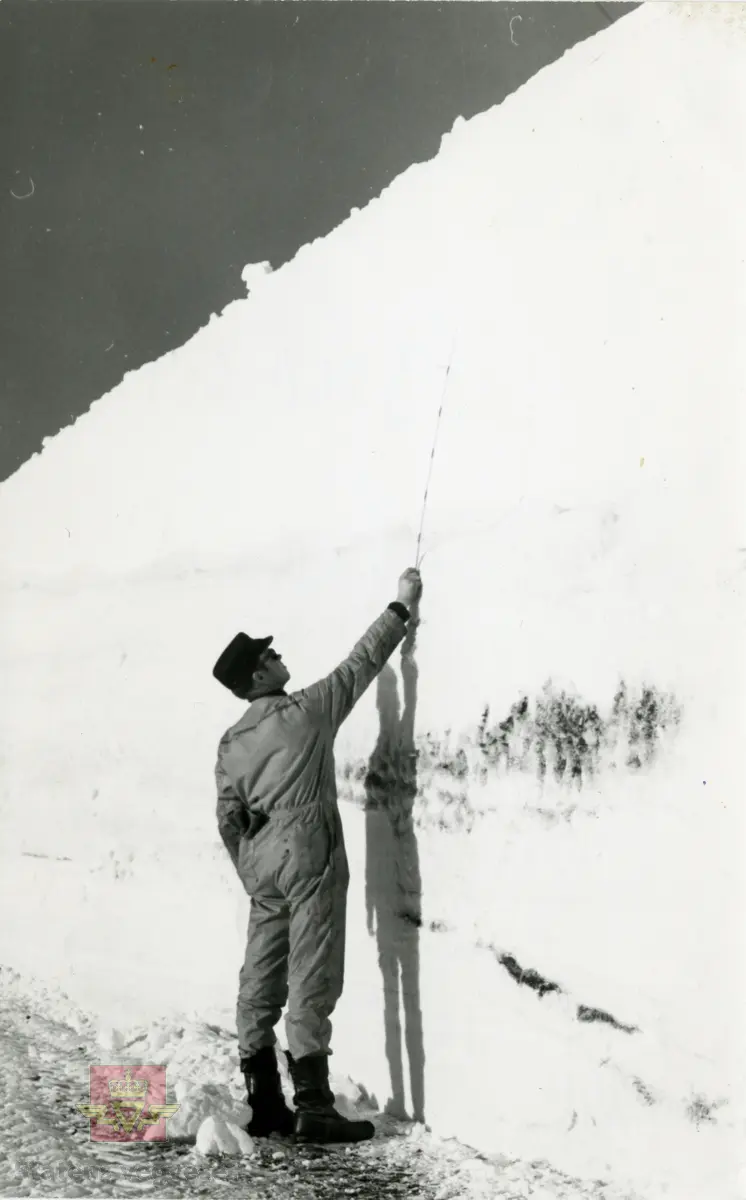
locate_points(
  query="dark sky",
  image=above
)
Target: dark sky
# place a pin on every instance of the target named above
(262, 125)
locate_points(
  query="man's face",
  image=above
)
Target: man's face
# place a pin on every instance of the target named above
(271, 671)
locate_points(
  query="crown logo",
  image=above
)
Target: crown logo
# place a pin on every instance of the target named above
(128, 1088)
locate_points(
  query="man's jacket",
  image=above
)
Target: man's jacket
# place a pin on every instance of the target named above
(277, 763)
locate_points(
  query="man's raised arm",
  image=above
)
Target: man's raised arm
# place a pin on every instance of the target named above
(339, 692)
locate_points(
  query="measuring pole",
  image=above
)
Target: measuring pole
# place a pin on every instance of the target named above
(419, 557)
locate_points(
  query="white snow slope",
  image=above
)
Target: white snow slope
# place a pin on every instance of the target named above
(578, 255)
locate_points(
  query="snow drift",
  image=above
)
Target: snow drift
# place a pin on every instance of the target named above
(577, 256)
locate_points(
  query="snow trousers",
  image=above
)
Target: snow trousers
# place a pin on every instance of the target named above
(295, 870)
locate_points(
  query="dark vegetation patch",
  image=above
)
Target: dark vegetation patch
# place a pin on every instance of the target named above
(528, 977)
(562, 735)
(643, 1091)
(554, 737)
(597, 1014)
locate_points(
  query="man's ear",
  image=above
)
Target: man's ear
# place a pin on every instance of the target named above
(249, 686)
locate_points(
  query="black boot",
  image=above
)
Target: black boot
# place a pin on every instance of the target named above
(269, 1112)
(316, 1119)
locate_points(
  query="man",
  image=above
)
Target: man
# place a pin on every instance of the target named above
(278, 817)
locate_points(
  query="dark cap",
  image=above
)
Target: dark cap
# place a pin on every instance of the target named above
(239, 660)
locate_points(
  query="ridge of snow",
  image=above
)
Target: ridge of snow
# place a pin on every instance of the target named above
(460, 237)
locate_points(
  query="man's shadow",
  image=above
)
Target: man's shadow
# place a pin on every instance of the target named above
(393, 885)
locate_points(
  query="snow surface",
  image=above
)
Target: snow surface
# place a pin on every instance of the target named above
(48, 1044)
(577, 255)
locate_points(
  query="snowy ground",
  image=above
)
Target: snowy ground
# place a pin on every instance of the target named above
(47, 1046)
(149, 938)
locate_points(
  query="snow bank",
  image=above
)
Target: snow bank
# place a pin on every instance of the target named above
(577, 254)
(504, 1069)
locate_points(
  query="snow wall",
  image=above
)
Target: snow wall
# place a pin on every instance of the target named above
(576, 255)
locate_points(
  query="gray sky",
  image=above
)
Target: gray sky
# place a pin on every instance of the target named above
(150, 150)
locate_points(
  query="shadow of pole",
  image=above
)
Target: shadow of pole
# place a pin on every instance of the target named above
(393, 885)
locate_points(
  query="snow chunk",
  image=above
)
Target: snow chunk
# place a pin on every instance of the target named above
(202, 1068)
(350, 1098)
(346, 1091)
(254, 274)
(216, 1136)
(110, 1038)
(198, 1102)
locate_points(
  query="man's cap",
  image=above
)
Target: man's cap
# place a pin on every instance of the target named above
(239, 660)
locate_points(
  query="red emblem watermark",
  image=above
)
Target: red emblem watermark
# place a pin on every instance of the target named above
(128, 1104)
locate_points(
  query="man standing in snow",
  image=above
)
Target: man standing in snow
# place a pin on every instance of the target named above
(278, 817)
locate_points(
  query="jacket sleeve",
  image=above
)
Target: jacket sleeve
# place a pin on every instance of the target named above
(231, 814)
(337, 694)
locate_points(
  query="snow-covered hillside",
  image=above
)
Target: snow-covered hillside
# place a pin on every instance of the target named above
(577, 256)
